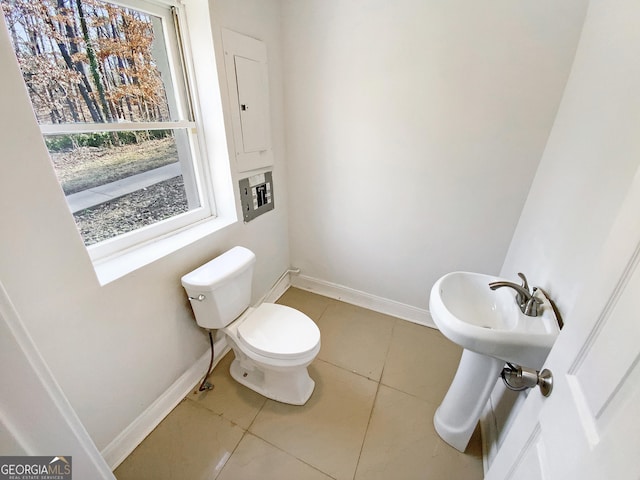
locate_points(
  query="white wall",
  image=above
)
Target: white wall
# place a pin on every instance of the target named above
(414, 129)
(590, 160)
(115, 349)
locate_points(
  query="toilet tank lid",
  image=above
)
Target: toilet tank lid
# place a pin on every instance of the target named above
(218, 270)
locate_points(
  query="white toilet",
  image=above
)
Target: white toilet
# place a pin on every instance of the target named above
(273, 344)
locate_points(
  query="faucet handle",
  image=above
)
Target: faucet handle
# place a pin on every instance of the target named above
(520, 298)
(525, 284)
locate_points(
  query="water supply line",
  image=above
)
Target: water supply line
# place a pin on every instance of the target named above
(205, 385)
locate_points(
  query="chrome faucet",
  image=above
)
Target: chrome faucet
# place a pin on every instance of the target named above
(524, 298)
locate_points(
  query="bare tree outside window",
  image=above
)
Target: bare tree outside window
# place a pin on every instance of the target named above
(105, 92)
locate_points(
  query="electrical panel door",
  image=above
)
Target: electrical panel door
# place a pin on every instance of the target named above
(252, 103)
(248, 87)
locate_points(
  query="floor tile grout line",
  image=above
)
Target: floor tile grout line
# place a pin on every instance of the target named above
(253, 420)
(326, 307)
(290, 454)
(386, 355)
(375, 400)
(204, 408)
(244, 434)
(413, 395)
(346, 369)
(245, 431)
(216, 414)
(223, 416)
(395, 322)
(366, 430)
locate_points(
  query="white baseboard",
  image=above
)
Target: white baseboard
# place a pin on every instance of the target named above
(362, 299)
(121, 446)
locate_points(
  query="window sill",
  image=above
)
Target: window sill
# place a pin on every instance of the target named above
(118, 265)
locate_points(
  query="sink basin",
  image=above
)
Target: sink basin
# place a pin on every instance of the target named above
(490, 322)
(490, 327)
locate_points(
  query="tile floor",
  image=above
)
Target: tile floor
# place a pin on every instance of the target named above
(378, 383)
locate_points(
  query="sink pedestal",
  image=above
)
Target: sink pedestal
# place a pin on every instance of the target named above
(458, 414)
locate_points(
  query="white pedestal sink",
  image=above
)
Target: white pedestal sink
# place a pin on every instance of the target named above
(492, 330)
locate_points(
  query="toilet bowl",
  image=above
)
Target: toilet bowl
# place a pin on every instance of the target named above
(273, 344)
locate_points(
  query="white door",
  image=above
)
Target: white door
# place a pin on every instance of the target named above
(35, 416)
(589, 427)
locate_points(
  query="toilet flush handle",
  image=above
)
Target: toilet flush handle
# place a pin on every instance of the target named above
(199, 298)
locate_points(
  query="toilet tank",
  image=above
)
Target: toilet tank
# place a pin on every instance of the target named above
(223, 287)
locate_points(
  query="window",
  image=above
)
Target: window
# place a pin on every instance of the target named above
(109, 89)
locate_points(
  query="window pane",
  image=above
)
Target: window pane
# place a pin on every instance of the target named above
(88, 61)
(117, 182)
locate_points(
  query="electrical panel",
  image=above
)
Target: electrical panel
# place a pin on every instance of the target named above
(247, 74)
(256, 194)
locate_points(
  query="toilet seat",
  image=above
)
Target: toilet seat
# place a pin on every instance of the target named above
(278, 331)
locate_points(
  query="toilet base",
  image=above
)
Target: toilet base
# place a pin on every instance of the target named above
(290, 385)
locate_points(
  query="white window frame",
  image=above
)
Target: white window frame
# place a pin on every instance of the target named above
(126, 245)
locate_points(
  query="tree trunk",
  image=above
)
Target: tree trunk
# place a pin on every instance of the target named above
(84, 86)
(93, 63)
